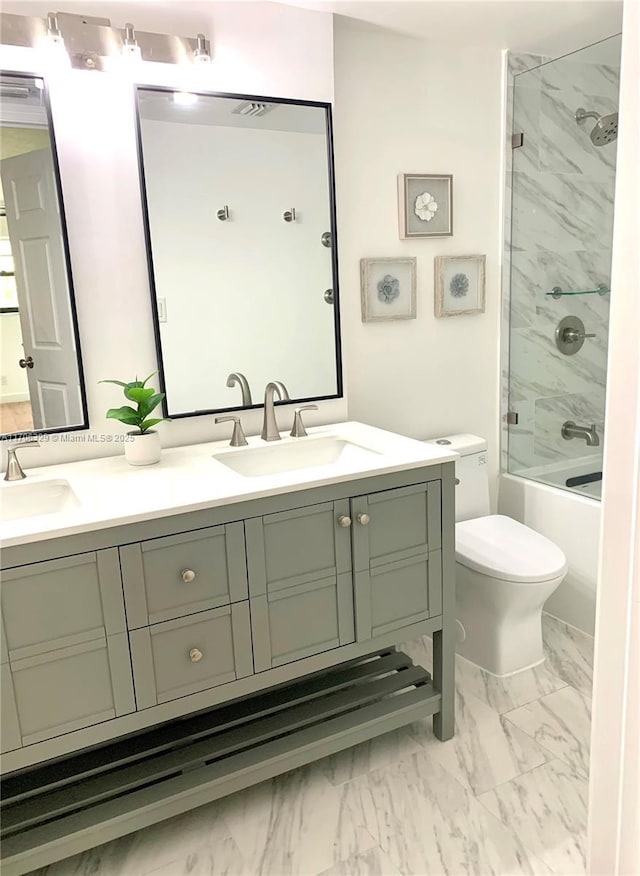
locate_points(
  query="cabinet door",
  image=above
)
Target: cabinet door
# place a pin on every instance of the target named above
(191, 654)
(397, 558)
(300, 583)
(66, 645)
(183, 574)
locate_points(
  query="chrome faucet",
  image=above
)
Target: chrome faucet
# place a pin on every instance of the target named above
(237, 378)
(269, 425)
(14, 470)
(572, 430)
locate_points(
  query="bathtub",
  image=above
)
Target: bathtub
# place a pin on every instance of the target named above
(571, 519)
(557, 474)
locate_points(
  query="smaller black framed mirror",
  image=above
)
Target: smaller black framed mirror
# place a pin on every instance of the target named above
(42, 388)
(239, 204)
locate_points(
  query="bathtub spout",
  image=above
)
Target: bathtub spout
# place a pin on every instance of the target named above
(572, 430)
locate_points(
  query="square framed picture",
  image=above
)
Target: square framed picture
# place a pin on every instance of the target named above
(388, 289)
(459, 285)
(425, 203)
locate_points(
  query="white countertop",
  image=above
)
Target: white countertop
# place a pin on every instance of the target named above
(111, 492)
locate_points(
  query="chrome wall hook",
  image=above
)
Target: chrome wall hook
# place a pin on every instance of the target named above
(289, 215)
(223, 213)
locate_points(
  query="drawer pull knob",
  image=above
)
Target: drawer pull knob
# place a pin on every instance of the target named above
(363, 519)
(345, 521)
(195, 655)
(188, 576)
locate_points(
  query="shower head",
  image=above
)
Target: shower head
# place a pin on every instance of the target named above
(605, 129)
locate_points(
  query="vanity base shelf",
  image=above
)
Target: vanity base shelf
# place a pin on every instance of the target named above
(65, 807)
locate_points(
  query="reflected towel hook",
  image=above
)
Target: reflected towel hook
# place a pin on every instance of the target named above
(223, 213)
(289, 215)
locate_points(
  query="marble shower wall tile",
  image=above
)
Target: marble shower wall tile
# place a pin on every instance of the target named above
(540, 370)
(558, 230)
(561, 212)
(552, 413)
(565, 145)
(547, 809)
(582, 80)
(560, 723)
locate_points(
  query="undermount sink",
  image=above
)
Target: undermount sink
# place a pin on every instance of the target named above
(31, 500)
(304, 453)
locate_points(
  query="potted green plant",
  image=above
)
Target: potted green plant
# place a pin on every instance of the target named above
(143, 446)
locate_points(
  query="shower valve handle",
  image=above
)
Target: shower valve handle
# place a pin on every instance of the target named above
(571, 335)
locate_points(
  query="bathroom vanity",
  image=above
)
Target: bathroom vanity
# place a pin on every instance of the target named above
(173, 634)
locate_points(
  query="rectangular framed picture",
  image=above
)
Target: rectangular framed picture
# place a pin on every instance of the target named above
(459, 285)
(388, 289)
(425, 204)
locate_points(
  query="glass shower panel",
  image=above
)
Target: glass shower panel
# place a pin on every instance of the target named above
(563, 179)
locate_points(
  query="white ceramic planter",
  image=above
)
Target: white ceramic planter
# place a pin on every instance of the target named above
(142, 449)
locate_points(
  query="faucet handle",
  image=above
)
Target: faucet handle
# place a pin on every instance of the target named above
(237, 438)
(298, 430)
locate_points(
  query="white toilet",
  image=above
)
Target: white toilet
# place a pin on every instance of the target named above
(504, 572)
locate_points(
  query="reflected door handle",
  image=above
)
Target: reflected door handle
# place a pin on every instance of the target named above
(26, 363)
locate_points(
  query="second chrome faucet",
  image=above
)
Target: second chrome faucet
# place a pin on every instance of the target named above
(269, 424)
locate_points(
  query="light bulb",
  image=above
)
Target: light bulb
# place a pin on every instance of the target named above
(184, 98)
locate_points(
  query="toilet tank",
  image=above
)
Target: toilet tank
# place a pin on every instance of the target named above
(472, 493)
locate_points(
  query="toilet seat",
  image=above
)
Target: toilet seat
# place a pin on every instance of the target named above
(502, 548)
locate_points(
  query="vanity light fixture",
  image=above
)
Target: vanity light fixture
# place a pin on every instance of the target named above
(89, 42)
(201, 54)
(184, 98)
(130, 48)
(53, 37)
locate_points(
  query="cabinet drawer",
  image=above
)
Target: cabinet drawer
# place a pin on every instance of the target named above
(71, 688)
(61, 603)
(188, 655)
(167, 578)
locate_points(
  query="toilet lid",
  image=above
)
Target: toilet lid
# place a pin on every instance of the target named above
(503, 548)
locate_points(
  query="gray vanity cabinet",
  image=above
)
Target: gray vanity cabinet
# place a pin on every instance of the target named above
(300, 583)
(191, 654)
(167, 578)
(66, 653)
(397, 558)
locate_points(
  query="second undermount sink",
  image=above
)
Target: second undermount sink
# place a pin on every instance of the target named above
(21, 500)
(294, 456)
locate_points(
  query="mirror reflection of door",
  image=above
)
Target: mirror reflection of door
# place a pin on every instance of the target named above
(39, 376)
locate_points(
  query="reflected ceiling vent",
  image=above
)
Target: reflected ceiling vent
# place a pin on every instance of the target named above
(253, 108)
(19, 92)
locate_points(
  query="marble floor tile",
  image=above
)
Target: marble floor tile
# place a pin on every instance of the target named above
(157, 846)
(371, 755)
(371, 863)
(547, 809)
(222, 858)
(505, 694)
(569, 653)
(485, 751)
(293, 825)
(561, 723)
(426, 822)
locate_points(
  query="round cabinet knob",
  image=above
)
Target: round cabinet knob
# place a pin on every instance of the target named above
(344, 521)
(363, 519)
(195, 655)
(188, 576)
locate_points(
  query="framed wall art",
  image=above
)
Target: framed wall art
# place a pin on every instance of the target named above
(388, 289)
(425, 202)
(459, 285)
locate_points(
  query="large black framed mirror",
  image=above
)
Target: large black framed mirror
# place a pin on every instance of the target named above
(42, 386)
(239, 206)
